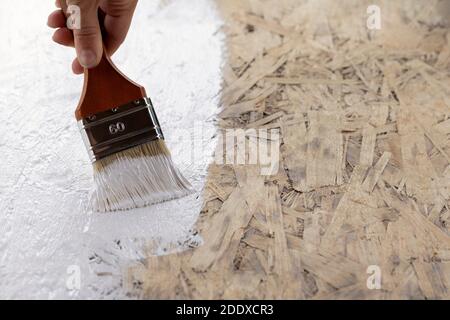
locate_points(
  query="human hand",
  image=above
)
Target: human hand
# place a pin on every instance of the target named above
(88, 40)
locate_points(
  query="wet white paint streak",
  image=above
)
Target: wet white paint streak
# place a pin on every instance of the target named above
(45, 176)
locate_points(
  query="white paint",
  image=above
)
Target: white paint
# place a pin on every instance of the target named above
(45, 175)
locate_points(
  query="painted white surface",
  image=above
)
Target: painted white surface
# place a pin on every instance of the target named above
(174, 50)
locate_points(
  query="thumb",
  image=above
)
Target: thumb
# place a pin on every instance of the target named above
(87, 34)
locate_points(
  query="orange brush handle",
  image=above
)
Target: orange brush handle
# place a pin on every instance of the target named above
(105, 87)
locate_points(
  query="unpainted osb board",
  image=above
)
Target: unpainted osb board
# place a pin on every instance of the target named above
(364, 175)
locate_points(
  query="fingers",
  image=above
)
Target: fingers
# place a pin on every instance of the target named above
(119, 14)
(87, 38)
(64, 36)
(77, 68)
(56, 19)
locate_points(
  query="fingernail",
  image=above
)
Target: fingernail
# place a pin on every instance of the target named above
(87, 58)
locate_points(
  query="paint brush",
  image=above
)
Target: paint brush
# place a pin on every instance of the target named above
(132, 164)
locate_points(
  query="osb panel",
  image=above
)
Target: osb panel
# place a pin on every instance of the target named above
(364, 172)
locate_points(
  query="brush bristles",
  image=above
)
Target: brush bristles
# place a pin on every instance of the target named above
(137, 177)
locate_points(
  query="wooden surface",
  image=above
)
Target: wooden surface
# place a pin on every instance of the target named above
(364, 178)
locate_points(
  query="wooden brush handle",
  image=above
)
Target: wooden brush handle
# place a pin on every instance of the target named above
(105, 87)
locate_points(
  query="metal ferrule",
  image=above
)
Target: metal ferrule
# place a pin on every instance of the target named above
(120, 128)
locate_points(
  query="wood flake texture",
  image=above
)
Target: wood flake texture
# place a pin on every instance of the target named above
(356, 206)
